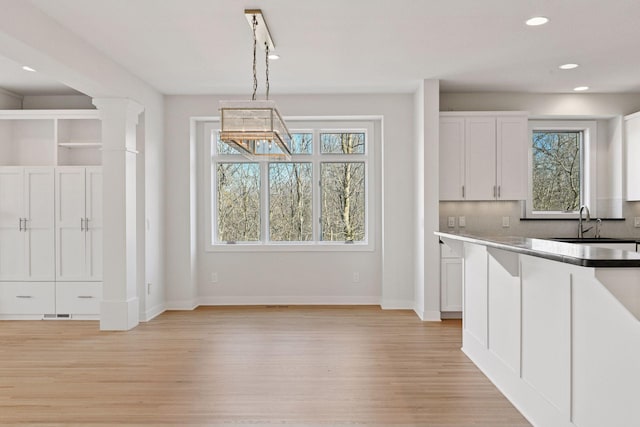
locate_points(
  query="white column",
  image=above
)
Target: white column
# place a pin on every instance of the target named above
(120, 307)
(427, 249)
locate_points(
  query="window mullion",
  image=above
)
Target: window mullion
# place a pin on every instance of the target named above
(264, 202)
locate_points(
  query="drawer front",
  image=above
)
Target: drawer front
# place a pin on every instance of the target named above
(27, 298)
(78, 297)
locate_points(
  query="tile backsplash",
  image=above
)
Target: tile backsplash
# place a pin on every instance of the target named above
(487, 218)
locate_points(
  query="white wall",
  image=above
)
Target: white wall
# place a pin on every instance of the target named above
(299, 277)
(486, 217)
(602, 105)
(9, 100)
(57, 102)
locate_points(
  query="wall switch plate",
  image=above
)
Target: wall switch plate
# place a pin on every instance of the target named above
(505, 221)
(451, 221)
(462, 221)
(214, 277)
(636, 222)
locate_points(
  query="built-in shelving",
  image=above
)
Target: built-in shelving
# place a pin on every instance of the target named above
(50, 138)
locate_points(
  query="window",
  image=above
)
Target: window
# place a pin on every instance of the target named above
(317, 199)
(562, 168)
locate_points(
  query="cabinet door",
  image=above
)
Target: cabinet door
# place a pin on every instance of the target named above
(632, 142)
(512, 157)
(451, 158)
(480, 158)
(93, 229)
(40, 247)
(70, 215)
(12, 238)
(451, 284)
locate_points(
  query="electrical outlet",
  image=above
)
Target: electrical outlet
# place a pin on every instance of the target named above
(636, 222)
(451, 221)
(214, 277)
(462, 221)
(505, 221)
(356, 277)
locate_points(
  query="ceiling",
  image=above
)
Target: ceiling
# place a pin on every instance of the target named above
(359, 46)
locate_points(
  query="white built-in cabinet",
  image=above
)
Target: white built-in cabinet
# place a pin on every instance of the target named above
(50, 214)
(78, 223)
(450, 280)
(632, 143)
(483, 156)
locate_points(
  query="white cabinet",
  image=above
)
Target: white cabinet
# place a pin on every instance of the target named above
(50, 213)
(78, 223)
(78, 298)
(30, 298)
(450, 280)
(632, 142)
(483, 156)
(26, 224)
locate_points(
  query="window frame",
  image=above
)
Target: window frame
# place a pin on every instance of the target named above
(316, 126)
(588, 164)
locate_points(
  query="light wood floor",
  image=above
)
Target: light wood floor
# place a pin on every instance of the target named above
(248, 366)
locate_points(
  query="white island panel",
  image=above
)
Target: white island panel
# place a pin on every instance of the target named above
(606, 350)
(504, 314)
(546, 327)
(475, 292)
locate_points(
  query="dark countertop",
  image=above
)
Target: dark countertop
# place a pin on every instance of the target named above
(570, 253)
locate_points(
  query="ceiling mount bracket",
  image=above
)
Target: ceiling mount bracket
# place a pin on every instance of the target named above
(262, 31)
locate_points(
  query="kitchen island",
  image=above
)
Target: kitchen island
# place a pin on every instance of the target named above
(555, 326)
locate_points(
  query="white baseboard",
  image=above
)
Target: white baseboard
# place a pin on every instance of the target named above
(181, 305)
(153, 312)
(396, 304)
(288, 300)
(428, 315)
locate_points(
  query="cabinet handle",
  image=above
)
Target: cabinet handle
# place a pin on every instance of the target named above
(494, 191)
(499, 191)
(24, 296)
(20, 224)
(86, 224)
(463, 191)
(81, 224)
(24, 227)
(85, 296)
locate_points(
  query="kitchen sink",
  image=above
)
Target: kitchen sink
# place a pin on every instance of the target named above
(593, 239)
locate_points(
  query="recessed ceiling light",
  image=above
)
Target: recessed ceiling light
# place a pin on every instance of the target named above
(27, 68)
(581, 88)
(568, 66)
(537, 20)
(274, 56)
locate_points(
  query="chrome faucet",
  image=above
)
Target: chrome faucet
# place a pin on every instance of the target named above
(581, 230)
(598, 226)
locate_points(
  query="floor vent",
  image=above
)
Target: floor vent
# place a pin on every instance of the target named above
(56, 317)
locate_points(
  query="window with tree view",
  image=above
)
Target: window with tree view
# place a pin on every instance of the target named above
(276, 202)
(556, 170)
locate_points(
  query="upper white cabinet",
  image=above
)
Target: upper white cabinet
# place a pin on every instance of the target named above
(483, 156)
(632, 142)
(78, 223)
(50, 137)
(26, 224)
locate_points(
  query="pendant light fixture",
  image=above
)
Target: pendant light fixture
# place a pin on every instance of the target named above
(255, 127)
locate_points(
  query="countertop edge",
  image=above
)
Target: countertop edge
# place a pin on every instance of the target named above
(607, 261)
